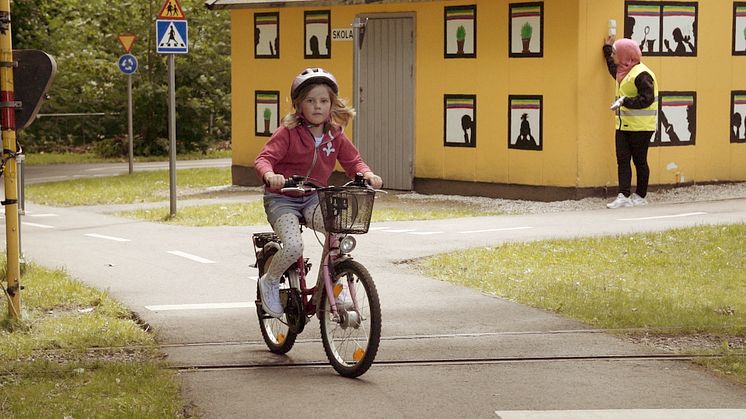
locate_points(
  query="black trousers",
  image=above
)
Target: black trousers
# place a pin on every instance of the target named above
(634, 145)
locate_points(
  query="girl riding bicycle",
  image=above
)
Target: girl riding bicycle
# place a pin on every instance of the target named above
(309, 142)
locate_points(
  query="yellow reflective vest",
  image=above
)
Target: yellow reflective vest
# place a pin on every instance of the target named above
(645, 119)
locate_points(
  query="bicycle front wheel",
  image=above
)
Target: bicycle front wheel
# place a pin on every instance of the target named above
(351, 340)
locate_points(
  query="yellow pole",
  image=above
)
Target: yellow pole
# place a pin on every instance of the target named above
(8, 118)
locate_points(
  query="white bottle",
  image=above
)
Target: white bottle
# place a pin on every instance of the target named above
(612, 27)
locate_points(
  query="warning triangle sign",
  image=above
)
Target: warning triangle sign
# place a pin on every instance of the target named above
(127, 40)
(172, 10)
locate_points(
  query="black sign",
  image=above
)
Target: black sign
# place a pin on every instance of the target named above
(31, 80)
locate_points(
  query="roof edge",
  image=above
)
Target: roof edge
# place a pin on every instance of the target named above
(264, 4)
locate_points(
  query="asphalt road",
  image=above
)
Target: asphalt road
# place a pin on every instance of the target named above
(447, 351)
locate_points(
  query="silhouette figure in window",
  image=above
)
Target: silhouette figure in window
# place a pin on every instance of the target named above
(669, 129)
(681, 43)
(525, 140)
(468, 124)
(735, 121)
(313, 43)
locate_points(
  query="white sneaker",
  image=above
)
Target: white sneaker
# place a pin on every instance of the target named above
(620, 201)
(342, 296)
(270, 292)
(637, 200)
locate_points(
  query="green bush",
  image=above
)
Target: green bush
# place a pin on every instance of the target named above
(110, 148)
(460, 33)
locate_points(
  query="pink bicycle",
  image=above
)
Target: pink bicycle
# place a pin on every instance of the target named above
(350, 324)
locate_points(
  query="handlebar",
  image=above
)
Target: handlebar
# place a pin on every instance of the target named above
(302, 184)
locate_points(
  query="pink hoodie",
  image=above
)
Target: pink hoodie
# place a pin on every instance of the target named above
(291, 152)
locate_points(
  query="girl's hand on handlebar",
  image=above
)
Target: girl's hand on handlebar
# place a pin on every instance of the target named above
(373, 180)
(273, 180)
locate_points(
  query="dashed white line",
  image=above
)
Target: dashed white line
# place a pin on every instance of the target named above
(101, 236)
(489, 230)
(204, 306)
(378, 228)
(41, 215)
(426, 233)
(687, 214)
(36, 225)
(190, 256)
(399, 231)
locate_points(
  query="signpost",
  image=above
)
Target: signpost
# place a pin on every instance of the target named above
(172, 38)
(128, 65)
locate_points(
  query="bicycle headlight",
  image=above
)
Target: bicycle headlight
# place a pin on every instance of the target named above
(347, 244)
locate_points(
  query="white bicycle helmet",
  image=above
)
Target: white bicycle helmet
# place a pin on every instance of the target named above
(313, 75)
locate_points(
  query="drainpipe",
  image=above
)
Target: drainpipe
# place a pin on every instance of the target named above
(358, 32)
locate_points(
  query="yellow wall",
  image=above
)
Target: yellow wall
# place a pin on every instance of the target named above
(578, 145)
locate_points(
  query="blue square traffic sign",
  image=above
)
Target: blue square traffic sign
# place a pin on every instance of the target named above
(171, 36)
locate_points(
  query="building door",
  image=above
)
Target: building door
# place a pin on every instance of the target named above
(386, 98)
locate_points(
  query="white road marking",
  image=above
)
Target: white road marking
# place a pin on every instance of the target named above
(426, 233)
(190, 256)
(101, 236)
(494, 229)
(378, 228)
(41, 215)
(687, 214)
(398, 231)
(204, 306)
(624, 413)
(255, 278)
(36, 225)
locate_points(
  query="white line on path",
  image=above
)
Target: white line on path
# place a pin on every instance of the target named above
(624, 413)
(378, 228)
(36, 225)
(41, 215)
(101, 236)
(688, 214)
(398, 231)
(205, 306)
(426, 233)
(190, 256)
(494, 229)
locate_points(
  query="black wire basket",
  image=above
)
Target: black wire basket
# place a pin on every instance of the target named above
(346, 210)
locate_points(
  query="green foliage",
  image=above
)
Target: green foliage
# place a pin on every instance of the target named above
(460, 33)
(82, 37)
(267, 114)
(526, 31)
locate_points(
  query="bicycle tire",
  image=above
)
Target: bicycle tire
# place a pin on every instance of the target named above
(277, 335)
(352, 349)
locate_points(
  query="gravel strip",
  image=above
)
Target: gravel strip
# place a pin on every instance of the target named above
(673, 195)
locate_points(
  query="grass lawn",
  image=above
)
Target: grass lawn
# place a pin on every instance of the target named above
(144, 186)
(40, 159)
(679, 282)
(67, 358)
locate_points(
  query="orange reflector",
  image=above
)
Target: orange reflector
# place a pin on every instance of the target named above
(337, 289)
(280, 338)
(359, 354)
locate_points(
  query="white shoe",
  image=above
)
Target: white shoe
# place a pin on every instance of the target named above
(620, 201)
(342, 296)
(637, 200)
(270, 293)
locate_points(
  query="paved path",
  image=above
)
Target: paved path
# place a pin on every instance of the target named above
(447, 351)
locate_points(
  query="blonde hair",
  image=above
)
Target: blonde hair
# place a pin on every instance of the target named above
(341, 113)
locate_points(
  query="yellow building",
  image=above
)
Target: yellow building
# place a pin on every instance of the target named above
(452, 99)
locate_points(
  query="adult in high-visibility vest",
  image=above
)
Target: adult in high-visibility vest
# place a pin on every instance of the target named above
(636, 119)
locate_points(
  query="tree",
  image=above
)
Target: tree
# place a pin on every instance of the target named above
(82, 36)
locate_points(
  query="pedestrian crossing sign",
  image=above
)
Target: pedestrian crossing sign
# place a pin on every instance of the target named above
(171, 10)
(171, 36)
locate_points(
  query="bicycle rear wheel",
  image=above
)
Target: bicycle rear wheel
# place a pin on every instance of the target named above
(351, 341)
(276, 332)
